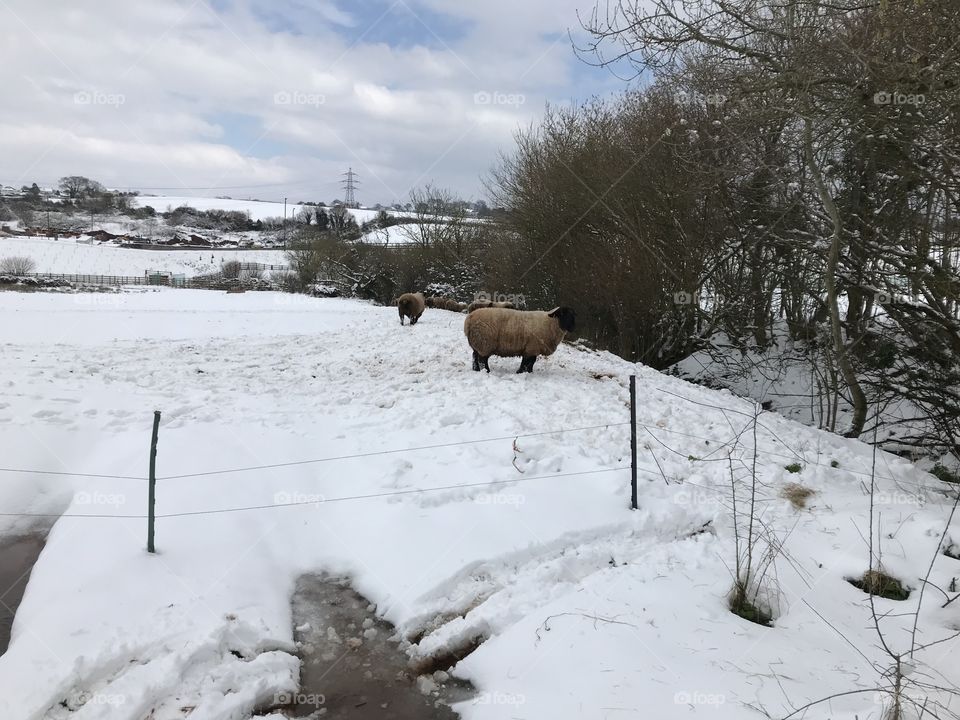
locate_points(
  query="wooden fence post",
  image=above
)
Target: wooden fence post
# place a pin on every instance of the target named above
(152, 488)
(633, 442)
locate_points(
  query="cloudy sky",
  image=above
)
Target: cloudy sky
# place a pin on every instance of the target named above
(267, 98)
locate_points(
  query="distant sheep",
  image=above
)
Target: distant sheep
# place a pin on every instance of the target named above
(516, 333)
(442, 303)
(477, 304)
(452, 305)
(411, 305)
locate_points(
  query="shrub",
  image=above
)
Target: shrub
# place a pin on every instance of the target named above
(742, 605)
(877, 582)
(231, 270)
(287, 280)
(942, 472)
(17, 265)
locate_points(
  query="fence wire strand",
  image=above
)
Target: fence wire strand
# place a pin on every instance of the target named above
(324, 501)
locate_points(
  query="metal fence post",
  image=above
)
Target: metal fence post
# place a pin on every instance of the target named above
(633, 442)
(152, 488)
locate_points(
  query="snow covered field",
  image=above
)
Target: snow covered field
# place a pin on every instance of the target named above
(258, 209)
(589, 610)
(68, 256)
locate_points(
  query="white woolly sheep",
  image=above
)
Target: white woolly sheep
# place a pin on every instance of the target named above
(516, 333)
(477, 304)
(411, 305)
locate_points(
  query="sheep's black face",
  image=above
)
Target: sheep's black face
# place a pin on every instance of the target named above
(566, 318)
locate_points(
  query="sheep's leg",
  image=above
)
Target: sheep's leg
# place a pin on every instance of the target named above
(401, 317)
(530, 362)
(485, 361)
(413, 320)
(476, 361)
(526, 364)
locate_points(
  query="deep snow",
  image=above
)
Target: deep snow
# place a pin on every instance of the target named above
(589, 610)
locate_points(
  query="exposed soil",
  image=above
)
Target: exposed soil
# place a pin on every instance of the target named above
(353, 665)
(17, 557)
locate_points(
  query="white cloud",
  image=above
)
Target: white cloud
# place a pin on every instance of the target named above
(150, 93)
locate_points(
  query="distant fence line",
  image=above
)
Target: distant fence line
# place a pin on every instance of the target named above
(256, 265)
(90, 279)
(160, 279)
(161, 247)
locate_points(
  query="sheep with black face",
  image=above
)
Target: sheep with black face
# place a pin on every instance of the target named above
(526, 334)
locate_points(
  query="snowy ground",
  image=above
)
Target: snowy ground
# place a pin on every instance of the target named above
(393, 235)
(258, 209)
(589, 610)
(784, 377)
(68, 256)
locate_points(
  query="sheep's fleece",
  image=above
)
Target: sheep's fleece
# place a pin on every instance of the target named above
(517, 333)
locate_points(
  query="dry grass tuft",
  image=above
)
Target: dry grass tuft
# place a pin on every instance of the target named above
(797, 494)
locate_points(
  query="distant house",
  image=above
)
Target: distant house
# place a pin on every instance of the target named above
(9, 191)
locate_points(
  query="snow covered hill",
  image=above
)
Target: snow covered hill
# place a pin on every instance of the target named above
(67, 256)
(258, 209)
(465, 505)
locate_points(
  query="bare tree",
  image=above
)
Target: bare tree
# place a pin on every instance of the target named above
(78, 186)
(845, 80)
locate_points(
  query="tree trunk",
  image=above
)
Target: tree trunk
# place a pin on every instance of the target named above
(830, 281)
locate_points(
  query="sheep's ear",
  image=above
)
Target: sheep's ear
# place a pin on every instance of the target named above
(553, 313)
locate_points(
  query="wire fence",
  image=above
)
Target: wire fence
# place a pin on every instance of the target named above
(310, 461)
(163, 279)
(651, 430)
(99, 280)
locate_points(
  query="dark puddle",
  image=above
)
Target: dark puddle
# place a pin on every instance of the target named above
(17, 557)
(351, 667)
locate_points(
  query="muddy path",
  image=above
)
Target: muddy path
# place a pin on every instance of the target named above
(351, 667)
(17, 557)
